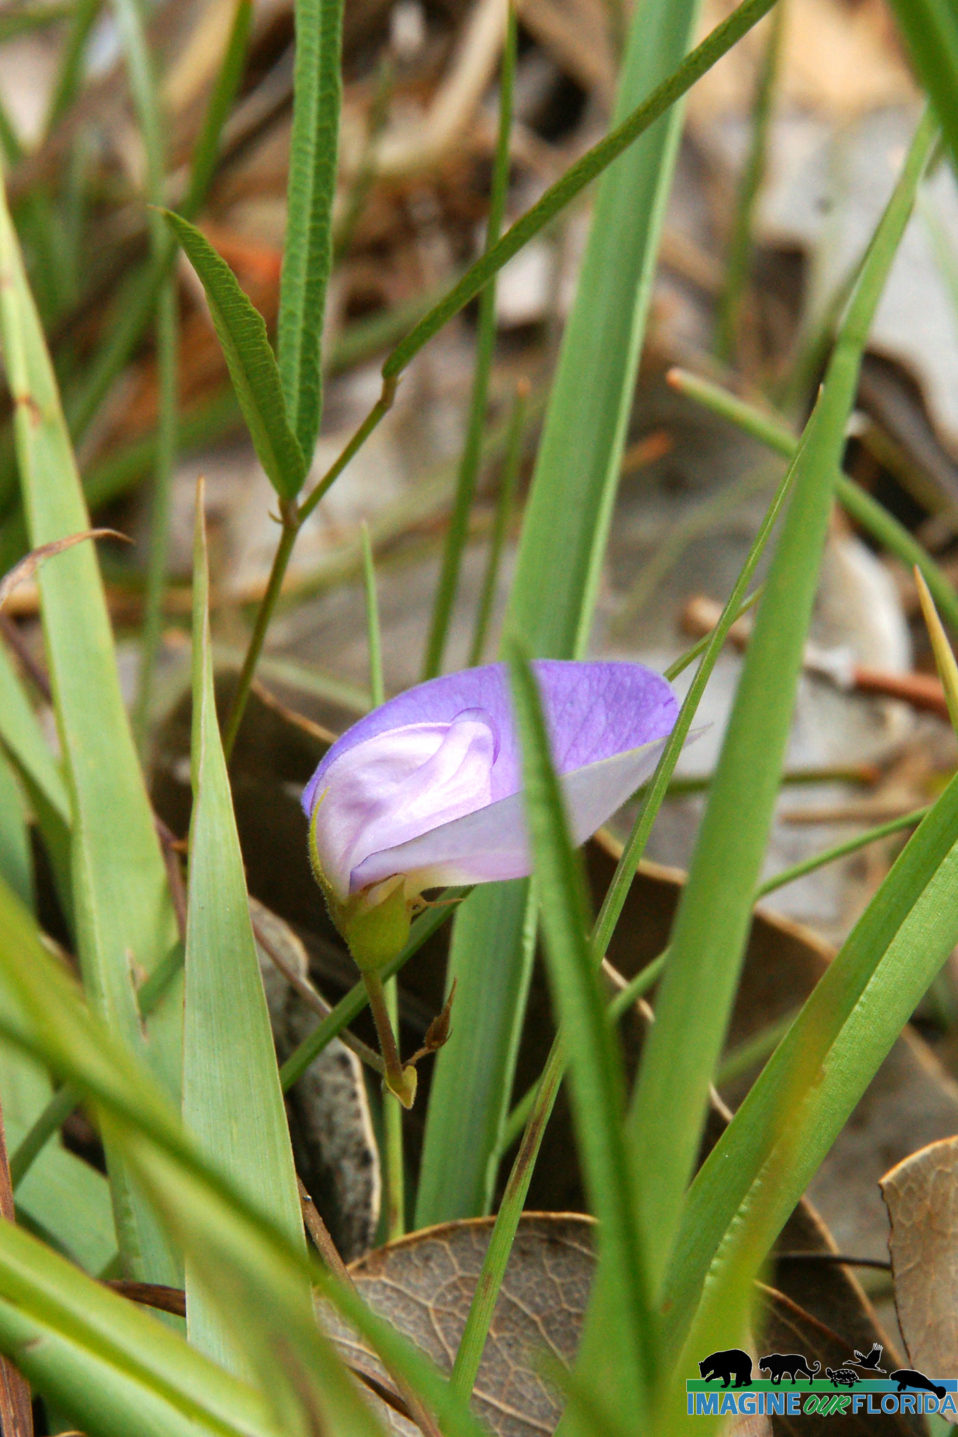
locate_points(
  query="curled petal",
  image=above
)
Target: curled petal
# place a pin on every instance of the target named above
(492, 842)
(397, 785)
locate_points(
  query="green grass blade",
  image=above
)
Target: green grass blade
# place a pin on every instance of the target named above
(807, 1091)
(714, 913)
(252, 364)
(595, 1063)
(108, 1363)
(245, 1258)
(121, 905)
(563, 540)
(930, 30)
(308, 252)
(230, 1079)
(467, 1103)
(866, 511)
(16, 860)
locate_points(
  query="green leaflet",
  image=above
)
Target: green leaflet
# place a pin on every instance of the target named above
(251, 362)
(308, 251)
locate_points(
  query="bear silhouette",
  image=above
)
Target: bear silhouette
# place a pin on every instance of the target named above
(733, 1363)
(908, 1377)
(790, 1364)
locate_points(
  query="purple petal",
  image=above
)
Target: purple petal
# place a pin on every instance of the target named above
(492, 843)
(592, 711)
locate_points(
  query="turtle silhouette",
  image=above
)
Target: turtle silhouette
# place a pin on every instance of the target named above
(869, 1360)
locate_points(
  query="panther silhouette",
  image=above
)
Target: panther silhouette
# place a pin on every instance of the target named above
(791, 1364)
(733, 1363)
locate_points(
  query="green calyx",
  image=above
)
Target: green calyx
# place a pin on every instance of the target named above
(375, 923)
(376, 928)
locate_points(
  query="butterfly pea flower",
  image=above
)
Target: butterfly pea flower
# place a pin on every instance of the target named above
(426, 790)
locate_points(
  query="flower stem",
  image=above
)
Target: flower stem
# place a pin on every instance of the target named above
(291, 525)
(400, 1081)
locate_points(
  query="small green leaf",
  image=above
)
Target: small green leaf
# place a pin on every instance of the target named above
(251, 362)
(308, 252)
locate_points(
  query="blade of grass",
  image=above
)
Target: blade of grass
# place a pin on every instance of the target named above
(596, 1072)
(756, 1173)
(866, 511)
(485, 348)
(242, 1254)
(105, 1361)
(121, 901)
(563, 539)
(307, 253)
(392, 1113)
(24, 743)
(249, 357)
(230, 1080)
(511, 463)
(711, 925)
(737, 262)
(16, 860)
(930, 30)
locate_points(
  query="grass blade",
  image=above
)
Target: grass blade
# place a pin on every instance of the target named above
(930, 28)
(230, 1080)
(712, 922)
(252, 364)
(121, 902)
(250, 1263)
(596, 1073)
(762, 1164)
(308, 253)
(563, 540)
(108, 1363)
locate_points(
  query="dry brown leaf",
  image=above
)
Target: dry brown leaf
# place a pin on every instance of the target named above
(424, 1284)
(921, 1194)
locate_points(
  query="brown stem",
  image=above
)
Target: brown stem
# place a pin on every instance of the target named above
(400, 1081)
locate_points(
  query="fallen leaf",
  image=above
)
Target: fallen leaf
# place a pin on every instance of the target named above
(424, 1284)
(921, 1194)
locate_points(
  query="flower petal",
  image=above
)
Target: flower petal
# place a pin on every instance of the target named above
(399, 784)
(492, 843)
(592, 711)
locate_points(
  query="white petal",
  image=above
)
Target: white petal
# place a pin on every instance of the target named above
(398, 785)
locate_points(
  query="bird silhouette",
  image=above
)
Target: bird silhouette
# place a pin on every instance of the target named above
(869, 1360)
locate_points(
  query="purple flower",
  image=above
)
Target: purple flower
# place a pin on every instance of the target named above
(427, 788)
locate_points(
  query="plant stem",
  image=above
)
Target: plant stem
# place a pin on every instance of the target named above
(400, 1081)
